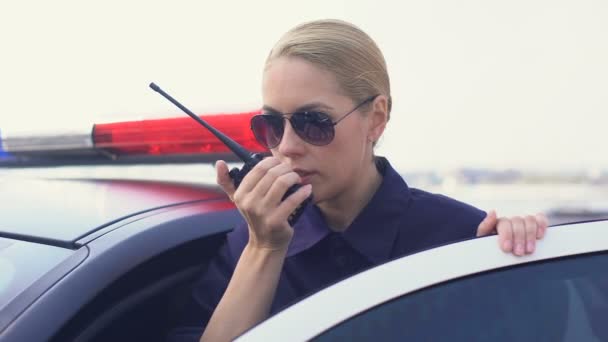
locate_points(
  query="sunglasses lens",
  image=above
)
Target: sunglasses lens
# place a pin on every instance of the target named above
(268, 129)
(313, 127)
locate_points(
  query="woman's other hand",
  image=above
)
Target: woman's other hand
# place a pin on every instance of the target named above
(516, 235)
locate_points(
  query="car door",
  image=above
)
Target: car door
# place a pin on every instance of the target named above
(465, 291)
(563, 299)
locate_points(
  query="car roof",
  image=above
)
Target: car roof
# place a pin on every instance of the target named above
(62, 211)
(430, 267)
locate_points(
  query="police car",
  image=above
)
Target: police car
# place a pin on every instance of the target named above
(111, 259)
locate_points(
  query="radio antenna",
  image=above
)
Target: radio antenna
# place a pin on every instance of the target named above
(241, 152)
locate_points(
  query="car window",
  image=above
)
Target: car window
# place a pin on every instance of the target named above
(558, 300)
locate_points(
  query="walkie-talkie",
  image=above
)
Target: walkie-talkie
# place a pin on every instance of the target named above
(250, 159)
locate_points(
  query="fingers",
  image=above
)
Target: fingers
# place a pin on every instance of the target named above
(258, 180)
(290, 204)
(543, 224)
(259, 195)
(531, 229)
(519, 235)
(253, 177)
(277, 179)
(505, 235)
(280, 186)
(223, 178)
(488, 225)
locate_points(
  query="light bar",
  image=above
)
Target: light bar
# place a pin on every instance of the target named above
(154, 141)
(3, 155)
(48, 143)
(175, 135)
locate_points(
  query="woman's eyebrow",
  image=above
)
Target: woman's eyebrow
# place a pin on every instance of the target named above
(314, 105)
(266, 108)
(306, 107)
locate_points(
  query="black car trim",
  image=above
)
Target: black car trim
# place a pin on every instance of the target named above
(109, 223)
(86, 238)
(73, 244)
(105, 230)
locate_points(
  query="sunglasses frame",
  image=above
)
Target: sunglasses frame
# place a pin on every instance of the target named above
(330, 124)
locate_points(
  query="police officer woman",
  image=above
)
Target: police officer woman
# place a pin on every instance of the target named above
(327, 101)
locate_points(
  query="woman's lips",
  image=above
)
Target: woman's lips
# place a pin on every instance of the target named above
(305, 175)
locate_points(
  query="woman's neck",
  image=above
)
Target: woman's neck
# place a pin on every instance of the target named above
(341, 211)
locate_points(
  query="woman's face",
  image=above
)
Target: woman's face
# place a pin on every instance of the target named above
(292, 84)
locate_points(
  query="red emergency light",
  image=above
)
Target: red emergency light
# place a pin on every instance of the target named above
(175, 135)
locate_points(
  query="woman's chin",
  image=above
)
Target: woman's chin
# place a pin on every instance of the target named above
(316, 198)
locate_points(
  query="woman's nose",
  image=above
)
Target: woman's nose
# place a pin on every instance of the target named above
(291, 143)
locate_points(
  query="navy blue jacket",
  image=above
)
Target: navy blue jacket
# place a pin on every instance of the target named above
(397, 221)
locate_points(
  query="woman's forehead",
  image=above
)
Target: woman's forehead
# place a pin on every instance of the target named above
(291, 84)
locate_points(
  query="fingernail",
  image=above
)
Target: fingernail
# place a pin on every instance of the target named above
(507, 245)
(519, 249)
(530, 246)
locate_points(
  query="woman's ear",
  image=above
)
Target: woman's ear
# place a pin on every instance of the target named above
(378, 118)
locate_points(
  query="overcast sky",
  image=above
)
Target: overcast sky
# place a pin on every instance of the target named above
(474, 83)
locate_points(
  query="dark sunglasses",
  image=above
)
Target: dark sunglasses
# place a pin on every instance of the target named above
(314, 127)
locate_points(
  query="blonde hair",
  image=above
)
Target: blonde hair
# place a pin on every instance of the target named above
(344, 50)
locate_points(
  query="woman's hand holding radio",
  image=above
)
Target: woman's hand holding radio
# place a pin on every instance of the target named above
(258, 198)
